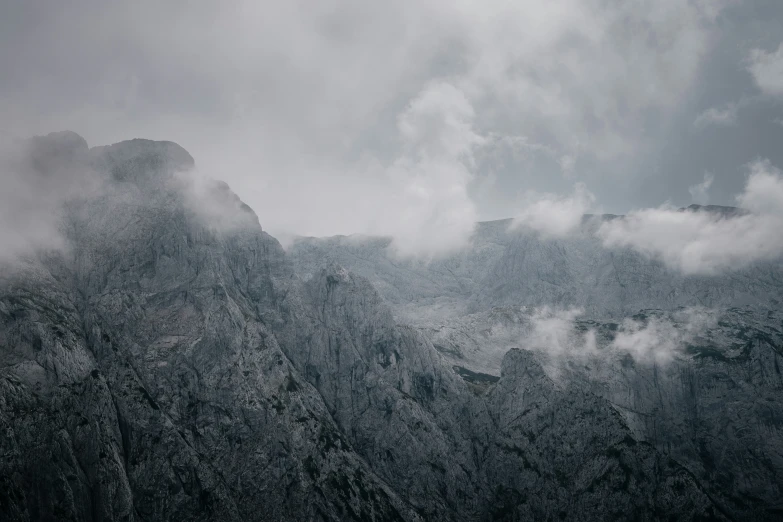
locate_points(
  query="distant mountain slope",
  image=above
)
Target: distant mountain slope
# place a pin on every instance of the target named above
(516, 267)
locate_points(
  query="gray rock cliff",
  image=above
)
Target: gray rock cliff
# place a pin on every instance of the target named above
(174, 363)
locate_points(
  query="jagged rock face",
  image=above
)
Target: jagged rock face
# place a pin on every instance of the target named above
(386, 388)
(713, 408)
(171, 366)
(141, 383)
(564, 453)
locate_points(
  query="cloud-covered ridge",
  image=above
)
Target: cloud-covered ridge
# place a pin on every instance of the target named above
(695, 241)
(49, 181)
(38, 176)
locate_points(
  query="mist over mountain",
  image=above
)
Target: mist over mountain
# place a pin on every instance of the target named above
(417, 260)
(163, 358)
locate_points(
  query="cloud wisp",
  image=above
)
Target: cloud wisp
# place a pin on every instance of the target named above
(38, 177)
(718, 116)
(767, 70)
(555, 333)
(661, 339)
(700, 193)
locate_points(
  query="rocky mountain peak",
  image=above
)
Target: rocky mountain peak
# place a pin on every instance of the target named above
(140, 160)
(55, 151)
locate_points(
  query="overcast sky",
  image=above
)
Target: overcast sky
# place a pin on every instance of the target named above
(415, 117)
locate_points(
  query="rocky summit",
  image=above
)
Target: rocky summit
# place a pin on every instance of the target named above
(168, 360)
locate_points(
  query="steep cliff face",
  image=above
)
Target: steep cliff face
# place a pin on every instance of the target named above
(715, 408)
(386, 388)
(170, 364)
(561, 452)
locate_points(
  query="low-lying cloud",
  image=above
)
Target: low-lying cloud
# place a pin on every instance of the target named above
(38, 177)
(655, 339)
(553, 332)
(426, 207)
(52, 184)
(707, 243)
(213, 203)
(552, 215)
(660, 339)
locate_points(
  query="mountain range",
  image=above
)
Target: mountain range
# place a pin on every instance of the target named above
(168, 359)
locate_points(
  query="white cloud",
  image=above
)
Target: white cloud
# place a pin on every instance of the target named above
(723, 116)
(659, 339)
(438, 123)
(552, 331)
(763, 192)
(428, 210)
(767, 70)
(700, 192)
(213, 203)
(304, 109)
(651, 340)
(552, 215)
(698, 242)
(567, 163)
(587, 72)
